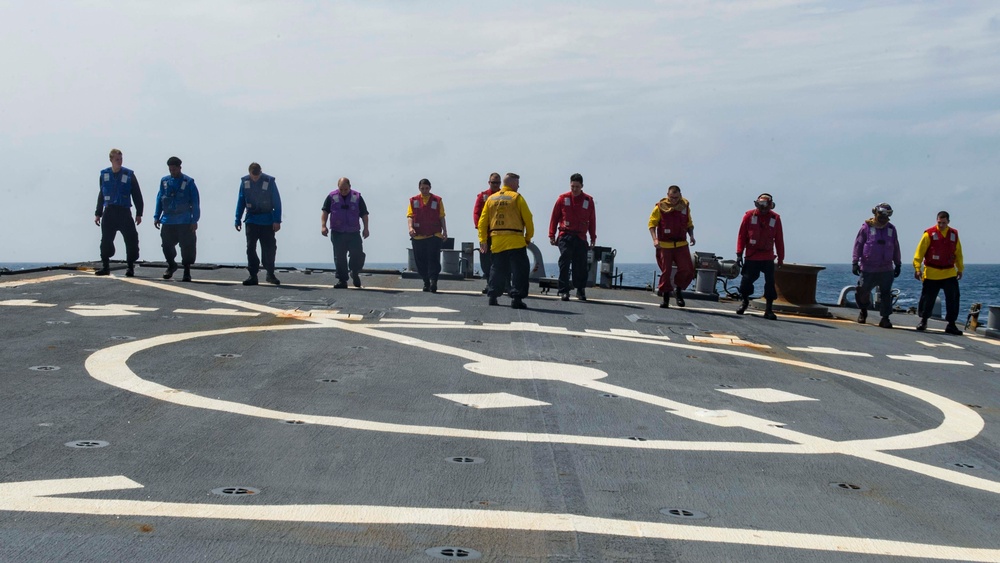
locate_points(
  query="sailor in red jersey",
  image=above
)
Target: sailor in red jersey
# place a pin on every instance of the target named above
(574, 218)
(940, 253)
(485, 258)
(761, 237)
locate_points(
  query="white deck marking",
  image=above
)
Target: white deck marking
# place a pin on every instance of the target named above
(109, 310)
(426, 309)
(19, 283)
(825, 350)
(37, 497)
(958, 423)
(217, 311)
(725, 340)
(493, 400)
(25, 303)
(994, 365)
(422, 320)
(928, 360)
(939, 344)
(766, 395)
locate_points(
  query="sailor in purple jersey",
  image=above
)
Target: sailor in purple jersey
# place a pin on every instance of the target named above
(876, 262)
(344, 210)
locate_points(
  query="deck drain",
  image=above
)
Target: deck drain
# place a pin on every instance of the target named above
(359, 347)
(294, 421)
(848, 487)
(964, 465)
(235, 491)
(591, 361)
(466, 460)
(122, 338)
(475, 341)
(684, 513)
(725, 386)
(44, 368)
(880, 417)
(452, 552)
(57, 322)
(609, 395)
(636, 439)
(974, 406)
(87, 444)
(328, 380)
(228, 356)
(816, 379)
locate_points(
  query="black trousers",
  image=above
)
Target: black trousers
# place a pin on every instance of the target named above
(171, 235)
(345, 244)
(752, 269)
(869, 280)
(572, 254)
(486, 261)
(264, 234)
(427, 255)
(929, 293)
(506, 264)
(118, 219)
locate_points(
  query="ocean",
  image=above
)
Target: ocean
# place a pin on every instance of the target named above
(980, 282)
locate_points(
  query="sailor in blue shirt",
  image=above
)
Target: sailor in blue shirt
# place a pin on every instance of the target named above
(119, 190)
(258, 196)
(178, 209)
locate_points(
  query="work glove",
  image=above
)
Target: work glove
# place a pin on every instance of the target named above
(739, 261)
(856, 269)
(899, 268)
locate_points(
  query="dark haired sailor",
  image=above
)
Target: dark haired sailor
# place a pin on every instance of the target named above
(574, 217)
(428, 229)
(761, 238)
(876, 261)
(259, 198)
(670, 225)
(178, 209)
(119, 189)
(940, 254)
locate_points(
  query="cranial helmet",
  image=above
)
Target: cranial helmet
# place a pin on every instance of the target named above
(764, 201)
(882, 209)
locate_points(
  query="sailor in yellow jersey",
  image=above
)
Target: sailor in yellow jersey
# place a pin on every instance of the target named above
(506, 221)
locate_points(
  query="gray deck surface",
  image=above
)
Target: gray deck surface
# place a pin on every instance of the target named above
(800, 439)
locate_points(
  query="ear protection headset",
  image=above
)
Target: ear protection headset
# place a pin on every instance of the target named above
(882, 209)
(770, 200)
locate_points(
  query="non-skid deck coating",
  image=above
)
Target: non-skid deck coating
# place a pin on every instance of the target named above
(389, 424)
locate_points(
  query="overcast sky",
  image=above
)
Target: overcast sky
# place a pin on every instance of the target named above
(832, 107)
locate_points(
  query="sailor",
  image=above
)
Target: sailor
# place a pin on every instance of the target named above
(876, 261)
(345, 210)
(178, 209)
(940, 253)
(670, 225)
(506, 228)
(119, 189)
(761, 237)
(258, 196)
(574, 217)
(485, 258)
(428, 229)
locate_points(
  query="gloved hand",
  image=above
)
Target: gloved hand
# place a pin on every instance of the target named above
(916, 275)
(739, 261)
(856, 269)
(779, 265)
(899, 268)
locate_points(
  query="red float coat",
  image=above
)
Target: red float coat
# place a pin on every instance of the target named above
(574, 216)
(426, 216)
(761, 236)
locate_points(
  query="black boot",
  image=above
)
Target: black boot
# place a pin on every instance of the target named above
(743, 307)
(427, 285)
(680, 298)
(768, 313)
(187, 274)
(105, 269)
(171, 268)
(863, 316)
(666, 301)
(130, 270)
(434, 285)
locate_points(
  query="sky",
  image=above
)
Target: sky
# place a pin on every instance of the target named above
(832, 107)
